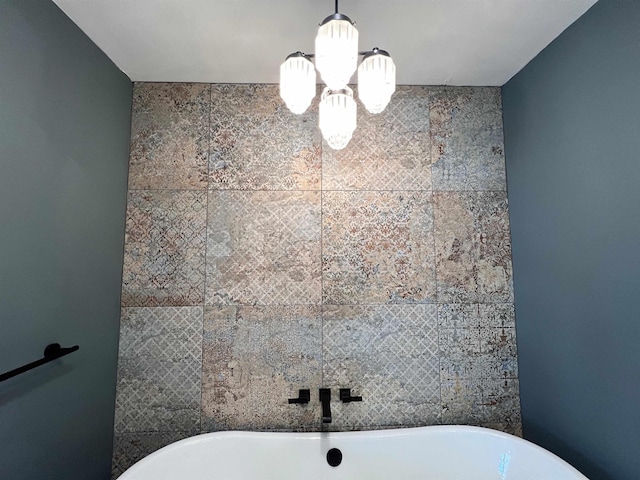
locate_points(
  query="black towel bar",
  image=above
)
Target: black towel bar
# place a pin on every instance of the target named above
(51, 352)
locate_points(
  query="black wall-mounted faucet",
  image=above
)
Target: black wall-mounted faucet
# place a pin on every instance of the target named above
(304, 396)
(345, 396)
(325, 399)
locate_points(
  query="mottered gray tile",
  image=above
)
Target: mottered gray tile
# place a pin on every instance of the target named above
(164, 251)
(470, 347)
(492, 403)
(159, 370)
(497, 315)
(476, 315)
(129, 448)
(254, 360)
(466, 361)
(467, 145)
(479, 366)
(263, 248)
(388, 354)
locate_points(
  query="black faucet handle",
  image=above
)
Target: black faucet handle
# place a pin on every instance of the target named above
(345, 396)
(304, 396)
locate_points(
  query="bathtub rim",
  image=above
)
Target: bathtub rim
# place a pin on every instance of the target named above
(378, 433)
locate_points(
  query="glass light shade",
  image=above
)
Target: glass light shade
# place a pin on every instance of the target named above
(337, 117)
(337, 52)
(376, 81)
(297, 82)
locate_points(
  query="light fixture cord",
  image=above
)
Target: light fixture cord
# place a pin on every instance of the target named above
(336, 6)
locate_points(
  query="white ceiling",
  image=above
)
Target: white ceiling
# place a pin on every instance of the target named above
(433, 42)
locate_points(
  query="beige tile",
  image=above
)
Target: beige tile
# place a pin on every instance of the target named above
(377, 248)
(169, 136)
(389, 150)
(473, 247)
(258, 144)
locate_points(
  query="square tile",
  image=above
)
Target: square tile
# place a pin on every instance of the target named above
(473, 346)
(497, 315)
(254, 360)
(169, 136)
(263, 248)
(388, 151)
(387, 354)
(461, 342)
(473, 247)
(258, 144)
(478, 353)
(377, 248)
(500, 342)
(469, 363)
(129, 448)
(467, 148)
(159, 370)
(476, 315)
(164, 248)
(458, 315)
(492, 403)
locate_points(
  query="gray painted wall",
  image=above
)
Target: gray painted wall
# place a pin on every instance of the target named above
(572, 139)
(64, 141)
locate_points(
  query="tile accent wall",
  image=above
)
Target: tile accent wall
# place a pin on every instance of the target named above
(258, 261)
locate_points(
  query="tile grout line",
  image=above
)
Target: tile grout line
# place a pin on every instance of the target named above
(435, 253)
(206, 243)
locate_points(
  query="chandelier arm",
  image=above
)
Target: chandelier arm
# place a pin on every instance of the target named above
(363, 53)
(300, 54)
(374, 51)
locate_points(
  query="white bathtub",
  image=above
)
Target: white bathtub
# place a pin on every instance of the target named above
(425, 453)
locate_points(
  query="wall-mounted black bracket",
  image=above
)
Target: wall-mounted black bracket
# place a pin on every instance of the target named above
(304, 396)
(52, 352)
(345, 396)
(325, 400)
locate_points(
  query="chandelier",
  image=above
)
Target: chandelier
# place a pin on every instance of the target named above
(336, 58)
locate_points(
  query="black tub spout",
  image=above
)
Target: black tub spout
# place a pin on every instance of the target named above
(325, 399)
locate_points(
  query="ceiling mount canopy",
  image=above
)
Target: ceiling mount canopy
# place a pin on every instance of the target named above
(336, 59)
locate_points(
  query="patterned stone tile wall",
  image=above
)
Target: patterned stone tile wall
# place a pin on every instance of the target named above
(258, 261)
